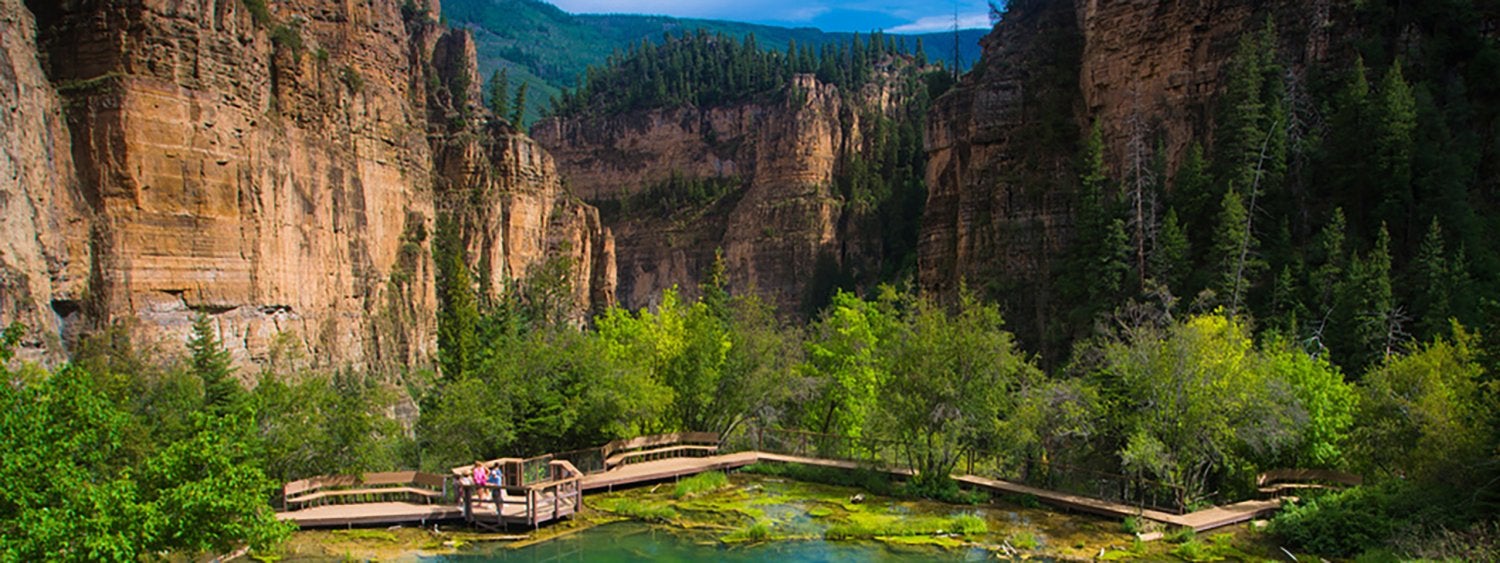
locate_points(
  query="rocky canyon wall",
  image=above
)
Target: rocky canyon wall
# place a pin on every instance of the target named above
(1002, 145)
(779, 227)
(279, 171)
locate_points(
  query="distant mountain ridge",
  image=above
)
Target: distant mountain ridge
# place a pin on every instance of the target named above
(541, 44)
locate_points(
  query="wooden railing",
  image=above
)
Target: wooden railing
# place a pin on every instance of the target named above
(553, 494)
(885, 454)
(874, 452)
(366, 487)
(1278, 482)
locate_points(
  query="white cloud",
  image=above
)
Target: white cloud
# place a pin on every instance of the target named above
(943, 23)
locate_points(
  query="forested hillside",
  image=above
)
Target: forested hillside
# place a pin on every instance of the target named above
(803, 165)
(1350, 208)
(549, 49)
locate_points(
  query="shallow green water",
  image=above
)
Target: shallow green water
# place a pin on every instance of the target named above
(630, 541)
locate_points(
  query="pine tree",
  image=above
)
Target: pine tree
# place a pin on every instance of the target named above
(1169, 258)
(210, 362)
(1240, 131)
(715, 288)
(1197, 201)
(1396, 116)
(498, 93)
(1100, 261)
(1332, 262)
(518, 109)
(458, 309)
(1431, 281)
(1348, 174)
(1367, 322)
(1234, 253)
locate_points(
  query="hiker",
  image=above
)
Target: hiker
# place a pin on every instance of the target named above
(481, 479)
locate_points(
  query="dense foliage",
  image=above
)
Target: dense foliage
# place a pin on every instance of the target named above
(702, 70)
(104, 465)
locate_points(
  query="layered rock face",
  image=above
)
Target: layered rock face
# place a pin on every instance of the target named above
(1002, 144)
(44, 223)
(777, 228)
(277, 171)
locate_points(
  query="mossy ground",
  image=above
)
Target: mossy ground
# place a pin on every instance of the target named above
(754, 508)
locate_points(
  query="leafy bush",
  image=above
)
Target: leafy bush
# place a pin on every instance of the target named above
(968, 525)
(1339, 524)
(352, 79)
(288, 36)
(1132, 525)
(942, 489)
(700, 483)
(1194, 550)
(1024, 540)
(259, 12)
(1180, 535)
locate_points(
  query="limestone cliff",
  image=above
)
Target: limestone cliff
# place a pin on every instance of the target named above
(44, 227)
(1002, 144)
(780, 223)
(278, 170)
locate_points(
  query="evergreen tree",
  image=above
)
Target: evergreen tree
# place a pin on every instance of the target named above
(498, 92)
(1169, 258)
(1369, 324)
(1100, 261)
(210, 362)
(518, 108)
(1397, 122)
(1347, 173)
(458, 309)
(1431, 281)
(1332, 263)
(1234, 253)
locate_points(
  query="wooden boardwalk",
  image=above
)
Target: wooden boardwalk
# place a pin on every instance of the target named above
(371, 514)
(673, 468)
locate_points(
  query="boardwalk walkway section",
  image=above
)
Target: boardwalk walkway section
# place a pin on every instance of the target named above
(539, 490)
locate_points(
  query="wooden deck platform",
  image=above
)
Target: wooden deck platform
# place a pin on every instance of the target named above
(658, 470)
(371, 514)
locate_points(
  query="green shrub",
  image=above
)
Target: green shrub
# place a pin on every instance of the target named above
(288, 36)
(968, 525)
(352, 79)
(700, 483)
(259, 12)
(757, 532)
(1024, 540)
(1343, 523)
(1132, 525)
(1180, 535)
(943, 489)
(1194, 550)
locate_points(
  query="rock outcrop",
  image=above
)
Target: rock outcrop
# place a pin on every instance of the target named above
(277, 169)
(780, 224)
(44, 223)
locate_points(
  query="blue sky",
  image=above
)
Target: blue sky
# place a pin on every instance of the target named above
(895, 16)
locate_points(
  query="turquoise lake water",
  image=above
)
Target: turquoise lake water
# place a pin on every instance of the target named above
(629, 541)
